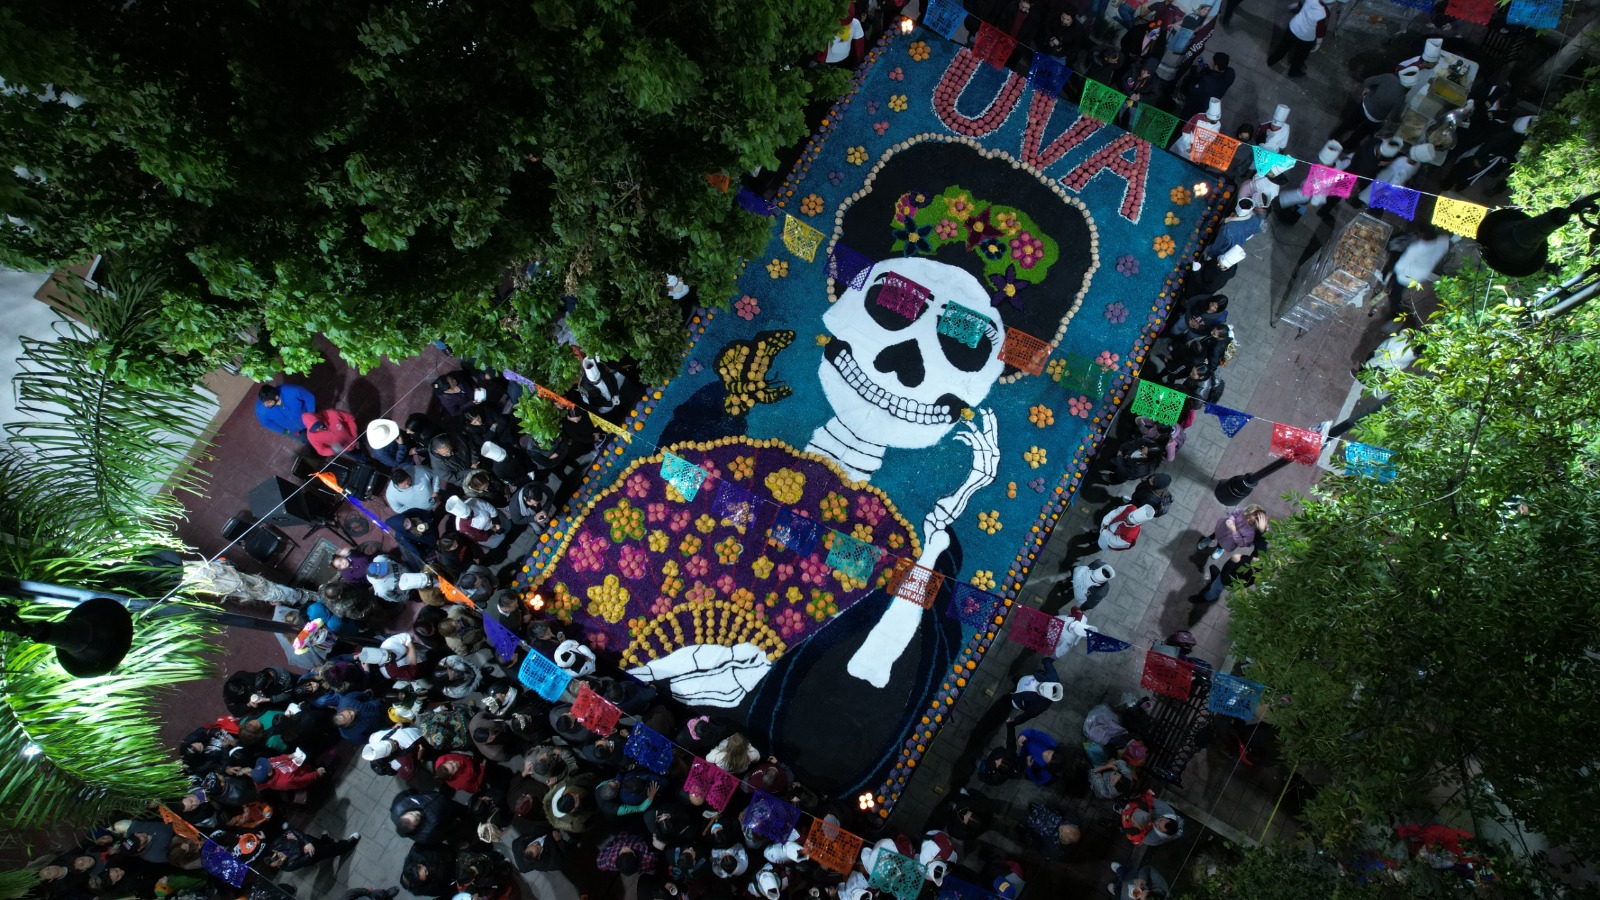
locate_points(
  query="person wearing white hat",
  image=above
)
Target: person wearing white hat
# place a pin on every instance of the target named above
(1274, 135)
(386, 444)
(576, 659)
(1303, 35)
(1432, 50)
(1243, 224)
(1074, 628)
(1119, 530)
(1091, 582)
(1035, 693)
(1210, 119)
(477, 521)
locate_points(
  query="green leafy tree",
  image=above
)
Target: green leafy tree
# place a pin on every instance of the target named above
(1559, 164)
(81, 505)
(1436, 634)
(370, 171)
(1383, 872)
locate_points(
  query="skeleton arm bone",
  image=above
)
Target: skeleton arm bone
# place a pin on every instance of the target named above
(875, 659)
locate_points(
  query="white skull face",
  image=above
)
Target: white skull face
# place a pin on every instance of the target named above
(894, 380)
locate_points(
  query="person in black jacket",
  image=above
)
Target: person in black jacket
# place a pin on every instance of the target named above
(294, 850)
(429, 871)
(426, 817)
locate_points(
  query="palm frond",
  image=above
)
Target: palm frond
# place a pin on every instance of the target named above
(82, 504)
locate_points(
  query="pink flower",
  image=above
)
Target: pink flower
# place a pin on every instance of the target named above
(747, 307)
(870, 508)
(655, 512)
(1107, 359)
(1027, 250)
(700, 593)
(661, 607)
(632, 561)
(813, 570)
(638, 486)
(598, 640)
(1080, 407)
(785, 572)
(946, 229)
(679, 520)
(589, 555)
(790, 622)
(696, 567)
(726, 584)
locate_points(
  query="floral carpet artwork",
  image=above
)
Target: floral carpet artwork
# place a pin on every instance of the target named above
(881, 411)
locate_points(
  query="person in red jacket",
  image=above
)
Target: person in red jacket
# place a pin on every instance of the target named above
(283, 773)
(332, 431)
(1120, 528)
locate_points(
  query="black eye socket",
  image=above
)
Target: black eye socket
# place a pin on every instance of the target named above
(967, 359)
(888, 319)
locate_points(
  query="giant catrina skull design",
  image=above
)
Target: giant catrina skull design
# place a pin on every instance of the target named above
(913, 343)
(892, 379)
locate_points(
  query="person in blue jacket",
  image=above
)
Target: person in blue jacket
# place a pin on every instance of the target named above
(279, 409)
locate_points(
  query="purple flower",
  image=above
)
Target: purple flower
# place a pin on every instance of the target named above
(1116, 313)
(1007, 288)
(694, 367)
(1038, 485)
(872, 107)
(835, 178)
(1127, 264)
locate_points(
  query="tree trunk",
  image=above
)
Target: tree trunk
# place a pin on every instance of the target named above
(1576, 46)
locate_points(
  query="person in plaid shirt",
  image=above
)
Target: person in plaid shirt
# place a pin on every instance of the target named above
(626, 853)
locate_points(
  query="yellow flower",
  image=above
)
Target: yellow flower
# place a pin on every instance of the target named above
(1180, 195)
(608, 600)
(1008, 223)
(1055, 367)
(856, 155)
(728, 550)
(983, 580)
(794, 594)
(1035, 457)
(669, 568)
(896, 540)
(786, 486)
(898, 103)
(918, 51)
(846, 583)
(762, 567)
(705, 524)
(1163, 246)
(742, 467)
(862, 532)
(1041, 416)
(690, 545)
(675, 495)
(811, 205)
(1172, 218)
(659, 541)
(834, 507)
(778, 268)
(989, 521)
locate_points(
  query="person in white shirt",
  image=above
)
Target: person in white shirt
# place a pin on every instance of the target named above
(1304, 34)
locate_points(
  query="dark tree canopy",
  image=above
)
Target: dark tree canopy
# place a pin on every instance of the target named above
(371, 171)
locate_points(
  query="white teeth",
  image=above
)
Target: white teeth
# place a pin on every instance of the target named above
(900, 407)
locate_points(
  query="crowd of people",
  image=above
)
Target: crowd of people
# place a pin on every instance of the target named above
(493, 781)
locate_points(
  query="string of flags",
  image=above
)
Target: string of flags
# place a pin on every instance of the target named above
(1174, 677)
(218, 860)
(1302, 445)
(1210, 147)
